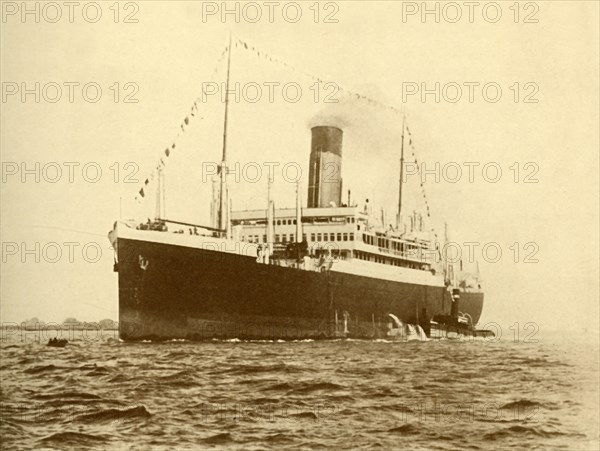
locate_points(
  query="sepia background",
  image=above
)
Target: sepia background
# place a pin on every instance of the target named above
(171, 51)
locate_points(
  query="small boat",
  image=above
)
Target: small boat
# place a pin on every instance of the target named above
(57, 343)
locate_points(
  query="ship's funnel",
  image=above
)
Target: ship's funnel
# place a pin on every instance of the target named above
(325, 173)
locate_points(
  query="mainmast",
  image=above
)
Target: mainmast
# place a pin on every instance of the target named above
(223, 203)
(399, 218)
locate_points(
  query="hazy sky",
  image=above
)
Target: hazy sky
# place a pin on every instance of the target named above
(171, 51)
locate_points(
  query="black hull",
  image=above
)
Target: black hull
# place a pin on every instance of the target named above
(197, 294)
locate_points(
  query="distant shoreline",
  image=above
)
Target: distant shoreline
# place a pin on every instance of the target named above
(54, 326)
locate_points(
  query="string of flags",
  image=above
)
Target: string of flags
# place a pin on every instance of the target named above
(166, 154)
(241, 44)
(414, 156)
(261, 54)
(422, 185)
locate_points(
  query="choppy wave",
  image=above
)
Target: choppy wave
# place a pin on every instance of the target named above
(61, 439)
(235, 394)
(114, 415)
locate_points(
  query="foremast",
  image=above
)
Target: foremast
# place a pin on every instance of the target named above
(224, 207)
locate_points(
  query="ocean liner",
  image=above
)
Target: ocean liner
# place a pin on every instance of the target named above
(330, 269)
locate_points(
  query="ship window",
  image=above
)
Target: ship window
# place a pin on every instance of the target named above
(312, 237)
(318, 237)
(345, 237)
(277, 238)
(294, 222)
(339, 237)
(264, 238)
(284, 238)
(304, 237)
(292, 238)
(279, 222)
(351, 236)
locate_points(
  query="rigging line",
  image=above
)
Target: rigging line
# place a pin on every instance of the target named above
(273, 59)
(422, 183)
(254, 50)
(64, 229)
(96, 306)
(187, 121)
(269, 57)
